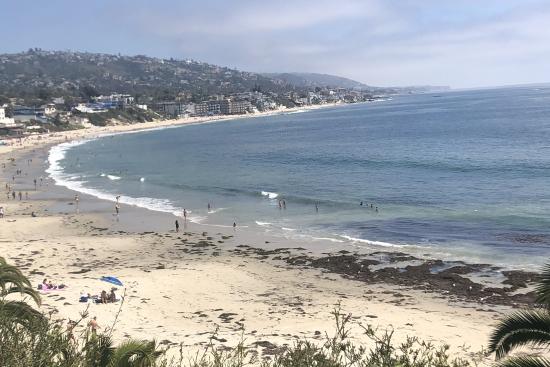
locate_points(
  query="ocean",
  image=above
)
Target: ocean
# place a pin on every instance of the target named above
(462, 175)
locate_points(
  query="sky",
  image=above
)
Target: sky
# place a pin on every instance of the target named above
(460, 43)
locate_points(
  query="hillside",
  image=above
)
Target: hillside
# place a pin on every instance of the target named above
(45, 74)
(308, 80)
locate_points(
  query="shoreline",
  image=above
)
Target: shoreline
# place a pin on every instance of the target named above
(99, 131)
(180, 285)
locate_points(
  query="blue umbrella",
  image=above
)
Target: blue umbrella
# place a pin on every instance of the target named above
(112, 280)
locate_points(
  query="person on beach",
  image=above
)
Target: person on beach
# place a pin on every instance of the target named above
(117, 198)
(35, 183)
(184, 214)
(209, 207)
(112, 295)
(1, 212)
(93, 325)
(177, 226)
(376, 209)
(234, 225)
(361, 203)
(26, 195)
(117, 209)
(20, 196)
(13, 195)
(316, 208)
(103, 297)
(280, 205)
(284, 204)
(70, 329)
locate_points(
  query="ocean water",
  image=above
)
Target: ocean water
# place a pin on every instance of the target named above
(462, 175)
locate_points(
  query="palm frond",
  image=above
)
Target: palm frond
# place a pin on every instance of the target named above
(542, 288)
(524, 361)
(520, 328)
(21, 313)
(136, 353)
(12, 280)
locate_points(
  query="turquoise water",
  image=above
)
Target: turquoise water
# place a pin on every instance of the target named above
(462, 175)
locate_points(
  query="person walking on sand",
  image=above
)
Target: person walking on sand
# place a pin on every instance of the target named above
(117, 209)
(177, 226)
(35, 184)
(93, 325)
(20, 196)
(234, 225)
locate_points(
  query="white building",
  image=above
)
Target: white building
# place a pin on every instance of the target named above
(49, 109)
(5, 121)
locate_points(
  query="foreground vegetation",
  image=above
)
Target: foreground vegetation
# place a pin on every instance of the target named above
(30, 338)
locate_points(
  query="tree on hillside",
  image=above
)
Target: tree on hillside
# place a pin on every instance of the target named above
(525, 328)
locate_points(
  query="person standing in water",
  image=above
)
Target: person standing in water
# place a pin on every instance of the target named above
(234, 225)
(209, 207)
(184, 214)
(316, 208)
(177, 226)
(284, 204)
(117, 209)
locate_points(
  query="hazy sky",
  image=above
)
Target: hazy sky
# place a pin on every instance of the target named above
(462, 43)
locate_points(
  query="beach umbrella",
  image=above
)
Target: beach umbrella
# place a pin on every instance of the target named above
(112, 280)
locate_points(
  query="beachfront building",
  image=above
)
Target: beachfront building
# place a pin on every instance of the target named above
(49, 109)
(28, 114)
(174, 109)
(90, 108)
(5, 121)
(115, 100)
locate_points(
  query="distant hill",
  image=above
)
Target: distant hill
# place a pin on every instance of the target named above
(308, 80)
(42, 74)
(38, 75)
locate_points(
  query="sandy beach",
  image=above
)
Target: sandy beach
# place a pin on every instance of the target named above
(181, 287)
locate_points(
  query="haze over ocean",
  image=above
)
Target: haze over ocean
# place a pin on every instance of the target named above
(460, 175)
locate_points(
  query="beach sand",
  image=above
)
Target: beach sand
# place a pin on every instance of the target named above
(181, 287)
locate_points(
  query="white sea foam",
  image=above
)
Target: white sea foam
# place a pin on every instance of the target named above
(217, 210)
(263, 224)
(113, 177)
(270, 195)
(288, 229)
(372, 243)
(57, 154)
(142, 179)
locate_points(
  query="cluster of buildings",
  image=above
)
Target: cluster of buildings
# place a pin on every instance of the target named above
(58, 112)
(225, 106)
